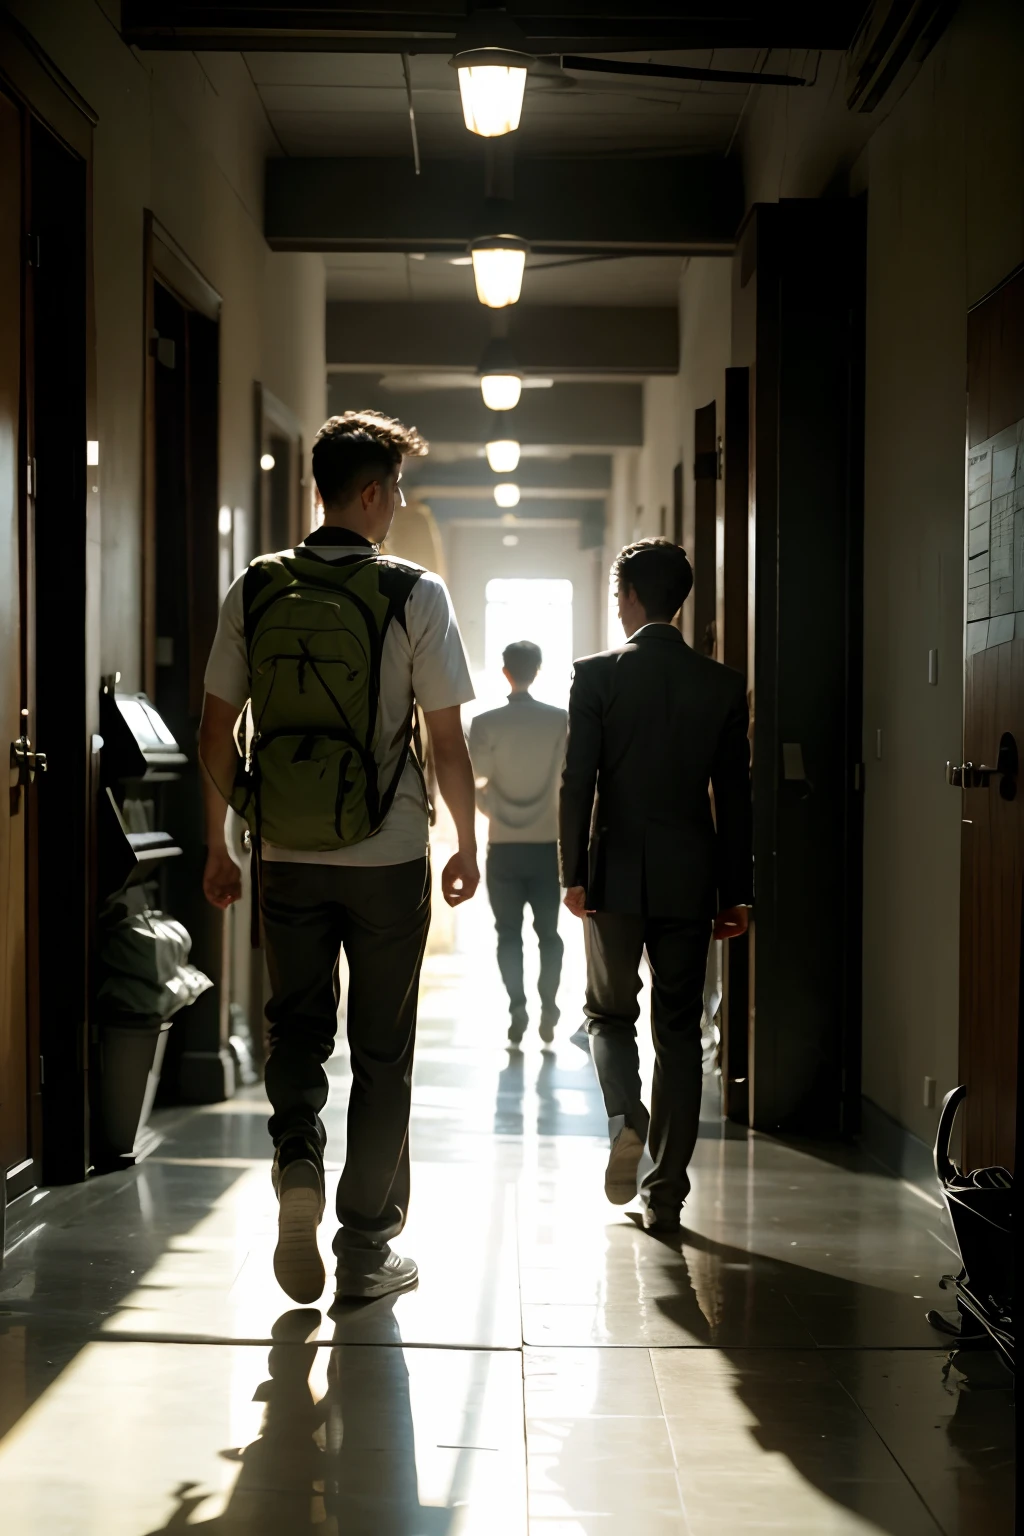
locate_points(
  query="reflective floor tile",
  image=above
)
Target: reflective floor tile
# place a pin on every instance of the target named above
(950, 1428)
(143, 1438)
(581, 1383)
(771, 1441)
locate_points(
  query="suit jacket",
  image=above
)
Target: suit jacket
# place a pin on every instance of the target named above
(651, 725)
(518, 751)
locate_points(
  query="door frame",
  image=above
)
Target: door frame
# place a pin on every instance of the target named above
(272, 413)
(163, 260)
(990, 1116)
(60, 1126)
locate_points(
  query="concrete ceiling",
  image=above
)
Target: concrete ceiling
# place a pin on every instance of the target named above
(395, 277)
(355, 104)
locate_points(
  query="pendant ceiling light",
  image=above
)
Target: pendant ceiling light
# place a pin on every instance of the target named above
(503, 455)
(506, 494)
(498, 264)
(492, 63)
(501, 380)
(501, 391)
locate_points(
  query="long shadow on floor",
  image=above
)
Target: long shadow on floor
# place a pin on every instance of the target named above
(345, 1463)
(814, 1406)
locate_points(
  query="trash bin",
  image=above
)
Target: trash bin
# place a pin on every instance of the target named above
(131, 1056)
(145, 979)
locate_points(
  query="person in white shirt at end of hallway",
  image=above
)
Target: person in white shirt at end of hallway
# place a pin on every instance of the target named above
(329, 648)
(517, 753)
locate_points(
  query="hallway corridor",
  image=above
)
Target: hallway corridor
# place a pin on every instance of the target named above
(556, 1372)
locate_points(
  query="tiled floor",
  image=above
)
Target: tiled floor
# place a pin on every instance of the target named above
(557, 1372)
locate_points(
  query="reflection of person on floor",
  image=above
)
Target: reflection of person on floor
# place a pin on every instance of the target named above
(281, 1473)
(330, 647)
(343, 1465)
(517, 754)
(372, 1484)
(647, 865)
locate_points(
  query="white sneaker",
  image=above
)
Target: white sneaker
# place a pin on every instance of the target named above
(297, 1263)
(623, 1162)
(391, 1274)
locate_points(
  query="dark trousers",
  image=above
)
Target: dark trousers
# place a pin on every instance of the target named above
(380, 917)
(521, 875)
(677, 951)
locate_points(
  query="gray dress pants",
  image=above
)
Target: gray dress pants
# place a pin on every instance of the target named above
(677, 951)
(380, 917)
(521, 875)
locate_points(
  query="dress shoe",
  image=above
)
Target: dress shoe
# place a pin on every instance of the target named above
(518, 1021)
(623, 1162)
(661, 1225)
(548, 1020)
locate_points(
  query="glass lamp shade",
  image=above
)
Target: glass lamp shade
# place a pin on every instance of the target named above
(506, 494)
(492, 96)
(503, 455)
(501, 391)
(498, 265)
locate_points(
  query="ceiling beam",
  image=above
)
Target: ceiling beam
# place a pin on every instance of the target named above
(688, 205)
(597, 416)
(550, 27)
(547, 339)
(580, 475)
(564, 509)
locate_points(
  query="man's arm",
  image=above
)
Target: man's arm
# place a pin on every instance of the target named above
(218, 757)
(730, 780)
(579, 781)
(460, 876)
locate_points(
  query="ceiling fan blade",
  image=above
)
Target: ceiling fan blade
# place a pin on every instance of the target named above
(676, 72)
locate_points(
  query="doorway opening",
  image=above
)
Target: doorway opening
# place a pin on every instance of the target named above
(528, 608)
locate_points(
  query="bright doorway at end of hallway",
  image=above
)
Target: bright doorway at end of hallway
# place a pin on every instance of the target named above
(527, 608)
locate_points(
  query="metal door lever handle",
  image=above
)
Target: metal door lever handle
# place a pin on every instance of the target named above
(24, 759)
(979, 775)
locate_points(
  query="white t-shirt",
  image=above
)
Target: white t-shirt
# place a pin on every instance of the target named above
(424, 660)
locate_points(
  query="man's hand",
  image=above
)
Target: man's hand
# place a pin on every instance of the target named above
(459, 879)
(575, 899)
(222, 879)
(731, 922)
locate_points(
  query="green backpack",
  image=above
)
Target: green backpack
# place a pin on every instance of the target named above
(314, 632)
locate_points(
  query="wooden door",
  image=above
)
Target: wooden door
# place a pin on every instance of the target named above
(806, 262)
(734, 651)
(17, 1079)
(705, 575)
(992, 844)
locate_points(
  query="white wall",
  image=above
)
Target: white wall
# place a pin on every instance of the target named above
(186, 136)
(705, 344)
(474, 554)
(669, 406)
(944, 175)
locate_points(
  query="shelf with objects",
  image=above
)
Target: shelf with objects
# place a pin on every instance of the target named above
(143, 974)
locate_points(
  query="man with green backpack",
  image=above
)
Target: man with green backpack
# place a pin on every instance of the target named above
(309, 731)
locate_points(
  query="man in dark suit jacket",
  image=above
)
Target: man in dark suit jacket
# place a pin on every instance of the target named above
(648, 862)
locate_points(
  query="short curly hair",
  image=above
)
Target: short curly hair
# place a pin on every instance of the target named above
(659, 573)
(360, 446)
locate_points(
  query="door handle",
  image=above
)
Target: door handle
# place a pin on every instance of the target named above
(979, 775)
(24, 759)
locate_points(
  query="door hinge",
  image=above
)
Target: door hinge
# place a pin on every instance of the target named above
(42, 1071)
(33, 251)
(31, 477)
(720, 452)
(858, 776)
